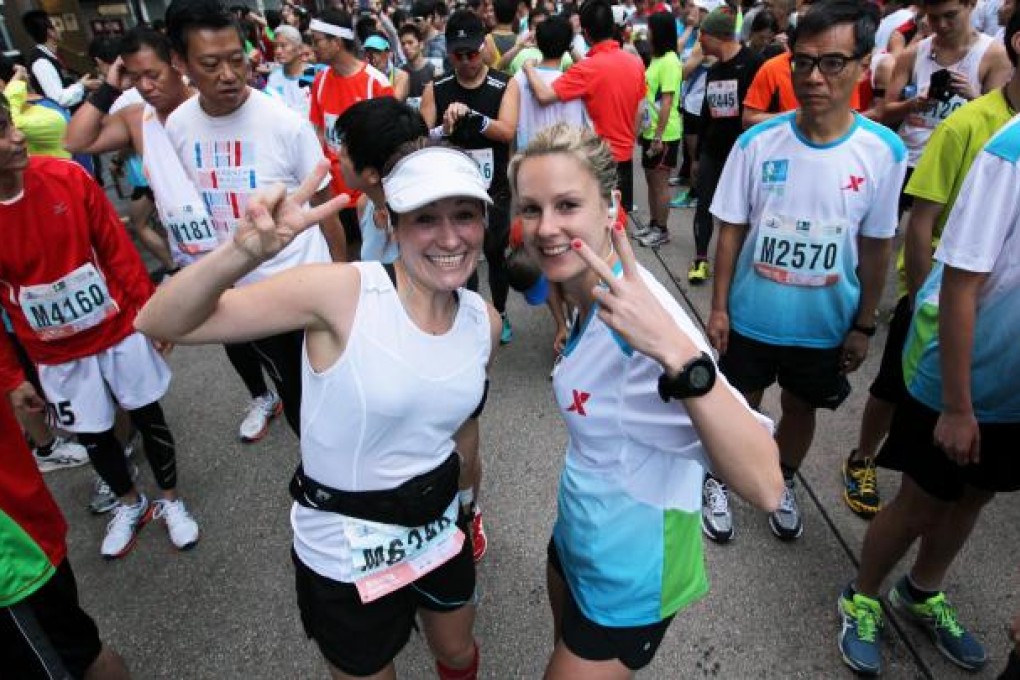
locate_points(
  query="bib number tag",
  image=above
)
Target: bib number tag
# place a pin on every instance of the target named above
(330, 133)
(386, 557)
(191, 229)
(722, 99)
(75, 303)
(936, 112)
(486, 163)
(796, 252)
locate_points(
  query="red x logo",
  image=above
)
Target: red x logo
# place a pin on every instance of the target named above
(855, 183)
(580, 398)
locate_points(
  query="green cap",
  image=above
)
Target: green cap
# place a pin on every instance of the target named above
(720, 23)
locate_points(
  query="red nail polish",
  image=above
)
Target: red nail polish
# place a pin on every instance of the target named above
(576, 244)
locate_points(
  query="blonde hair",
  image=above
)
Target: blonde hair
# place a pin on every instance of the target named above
(582, 144)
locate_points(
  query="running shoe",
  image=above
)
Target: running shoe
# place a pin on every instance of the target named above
(181, 526)
(122, 531)
(63, 455)
(938, 617)
(260, 411)
(675, 180)
(684, 200)
(657, 236)
(860, 486)
(859, 644)
(641, 230)
(479, 541)
(103, 499)
(698, 272)
(786, 522)
(507, 334)
(716, 516)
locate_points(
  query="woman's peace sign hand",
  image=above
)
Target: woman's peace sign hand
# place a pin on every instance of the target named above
(273, 218)
(627, 305)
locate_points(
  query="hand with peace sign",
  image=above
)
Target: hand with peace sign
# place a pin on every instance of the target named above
(273, 218)
(626, 305)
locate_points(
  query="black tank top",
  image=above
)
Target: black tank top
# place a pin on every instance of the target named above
(492, 156)
(417, 80)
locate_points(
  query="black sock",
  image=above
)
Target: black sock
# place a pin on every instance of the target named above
(788, 472)
(916, 594)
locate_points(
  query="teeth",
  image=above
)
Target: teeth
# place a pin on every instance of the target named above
(553, 252)
(446, 260)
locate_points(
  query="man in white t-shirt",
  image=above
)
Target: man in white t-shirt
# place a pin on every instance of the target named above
(956, 433)
(233, 140)
(287, 80)
(807, 210)
(553, 37)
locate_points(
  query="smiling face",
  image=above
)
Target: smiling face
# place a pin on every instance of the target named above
(440, 242)
(558, 200)
(218, 68)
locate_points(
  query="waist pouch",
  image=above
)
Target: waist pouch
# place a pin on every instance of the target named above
(414, 503)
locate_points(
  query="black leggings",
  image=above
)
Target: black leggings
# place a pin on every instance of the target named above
(709, 172)
(107, 454)
(280, 356)
(497, 238)
(245, 361)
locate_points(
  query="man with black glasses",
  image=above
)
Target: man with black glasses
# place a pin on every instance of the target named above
(807, 210)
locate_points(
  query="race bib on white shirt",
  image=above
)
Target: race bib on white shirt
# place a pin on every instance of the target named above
(486, 163)
(936, 112)
(799, 252)
(329, 132)
(191, 228)
(72, 304)
(722, 99)
(387, 557)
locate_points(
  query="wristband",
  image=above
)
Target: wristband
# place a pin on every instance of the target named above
(486, 122)
(869, 331)
(104, 97)
(437, 133)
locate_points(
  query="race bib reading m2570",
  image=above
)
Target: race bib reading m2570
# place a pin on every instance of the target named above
(799, 252)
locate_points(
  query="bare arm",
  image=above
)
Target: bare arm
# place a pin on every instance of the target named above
(694, 60)
(894, 109)
(504, 128)
(727, 248)
(752, 116)
(401, 85)
(92, 131)
(665, 106)
(998, 69)
(428, 106)
(872, 266)
(917, 242)
(540, 90)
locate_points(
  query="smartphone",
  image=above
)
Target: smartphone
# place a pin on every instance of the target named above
(938, 87)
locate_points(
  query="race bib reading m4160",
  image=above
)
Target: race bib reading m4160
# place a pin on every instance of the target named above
(72, 304)
(799, 252)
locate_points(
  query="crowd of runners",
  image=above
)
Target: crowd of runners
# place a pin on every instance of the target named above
(317, 188)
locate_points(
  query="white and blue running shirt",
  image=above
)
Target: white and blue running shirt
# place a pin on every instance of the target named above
(795, 281)
(628, 528)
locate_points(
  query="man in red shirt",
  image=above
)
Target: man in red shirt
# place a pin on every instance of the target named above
(74, 283)
(347, 81)
(612, 84)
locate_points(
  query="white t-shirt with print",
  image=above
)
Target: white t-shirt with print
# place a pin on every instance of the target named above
(795, 281)
(228, 157)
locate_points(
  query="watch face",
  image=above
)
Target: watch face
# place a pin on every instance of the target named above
(700, 377)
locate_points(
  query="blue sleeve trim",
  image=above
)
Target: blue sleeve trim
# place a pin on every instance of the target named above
(765, 126)
(1006, 144)
(891, 139)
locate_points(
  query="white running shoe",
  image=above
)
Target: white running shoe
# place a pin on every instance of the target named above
(181, 526)
(122, 531)
(64, 455)
(262, 409)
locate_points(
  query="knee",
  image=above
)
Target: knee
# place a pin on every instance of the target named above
(457, 654)
(795, 406)
(916, 508)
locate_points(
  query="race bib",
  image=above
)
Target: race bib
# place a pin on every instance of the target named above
(78, 301)
(936, 112)
(797, 252)
(486, 163)
(330, 132)
(722, 99)
(191, 228)
(386, 557)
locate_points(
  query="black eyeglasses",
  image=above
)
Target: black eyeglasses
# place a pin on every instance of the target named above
(828, 64)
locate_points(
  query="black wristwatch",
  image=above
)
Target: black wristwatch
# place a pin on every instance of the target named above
(695, 379)
(868, 331)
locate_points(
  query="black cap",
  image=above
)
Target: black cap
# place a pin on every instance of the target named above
(465, 32)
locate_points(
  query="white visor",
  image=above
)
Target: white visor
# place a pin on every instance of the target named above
(432, 174)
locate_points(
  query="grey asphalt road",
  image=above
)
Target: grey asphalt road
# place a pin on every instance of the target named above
(227, 608)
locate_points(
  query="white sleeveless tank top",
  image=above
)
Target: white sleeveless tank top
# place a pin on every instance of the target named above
(189, 230)
(387, 410)
(917, 127)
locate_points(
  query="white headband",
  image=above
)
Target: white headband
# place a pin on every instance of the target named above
(330, 29)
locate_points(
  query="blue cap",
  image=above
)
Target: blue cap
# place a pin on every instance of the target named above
(377, 43)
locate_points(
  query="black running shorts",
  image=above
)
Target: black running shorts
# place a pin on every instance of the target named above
(48, 630)
(910, 448)
(634, 646)
(667, 158)
(889, 385)
(809, 374)
(361, 639)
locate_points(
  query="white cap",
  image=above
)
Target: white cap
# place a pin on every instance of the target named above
(431, 174)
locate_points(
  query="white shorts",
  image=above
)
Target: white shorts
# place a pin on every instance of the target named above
(83, 394)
